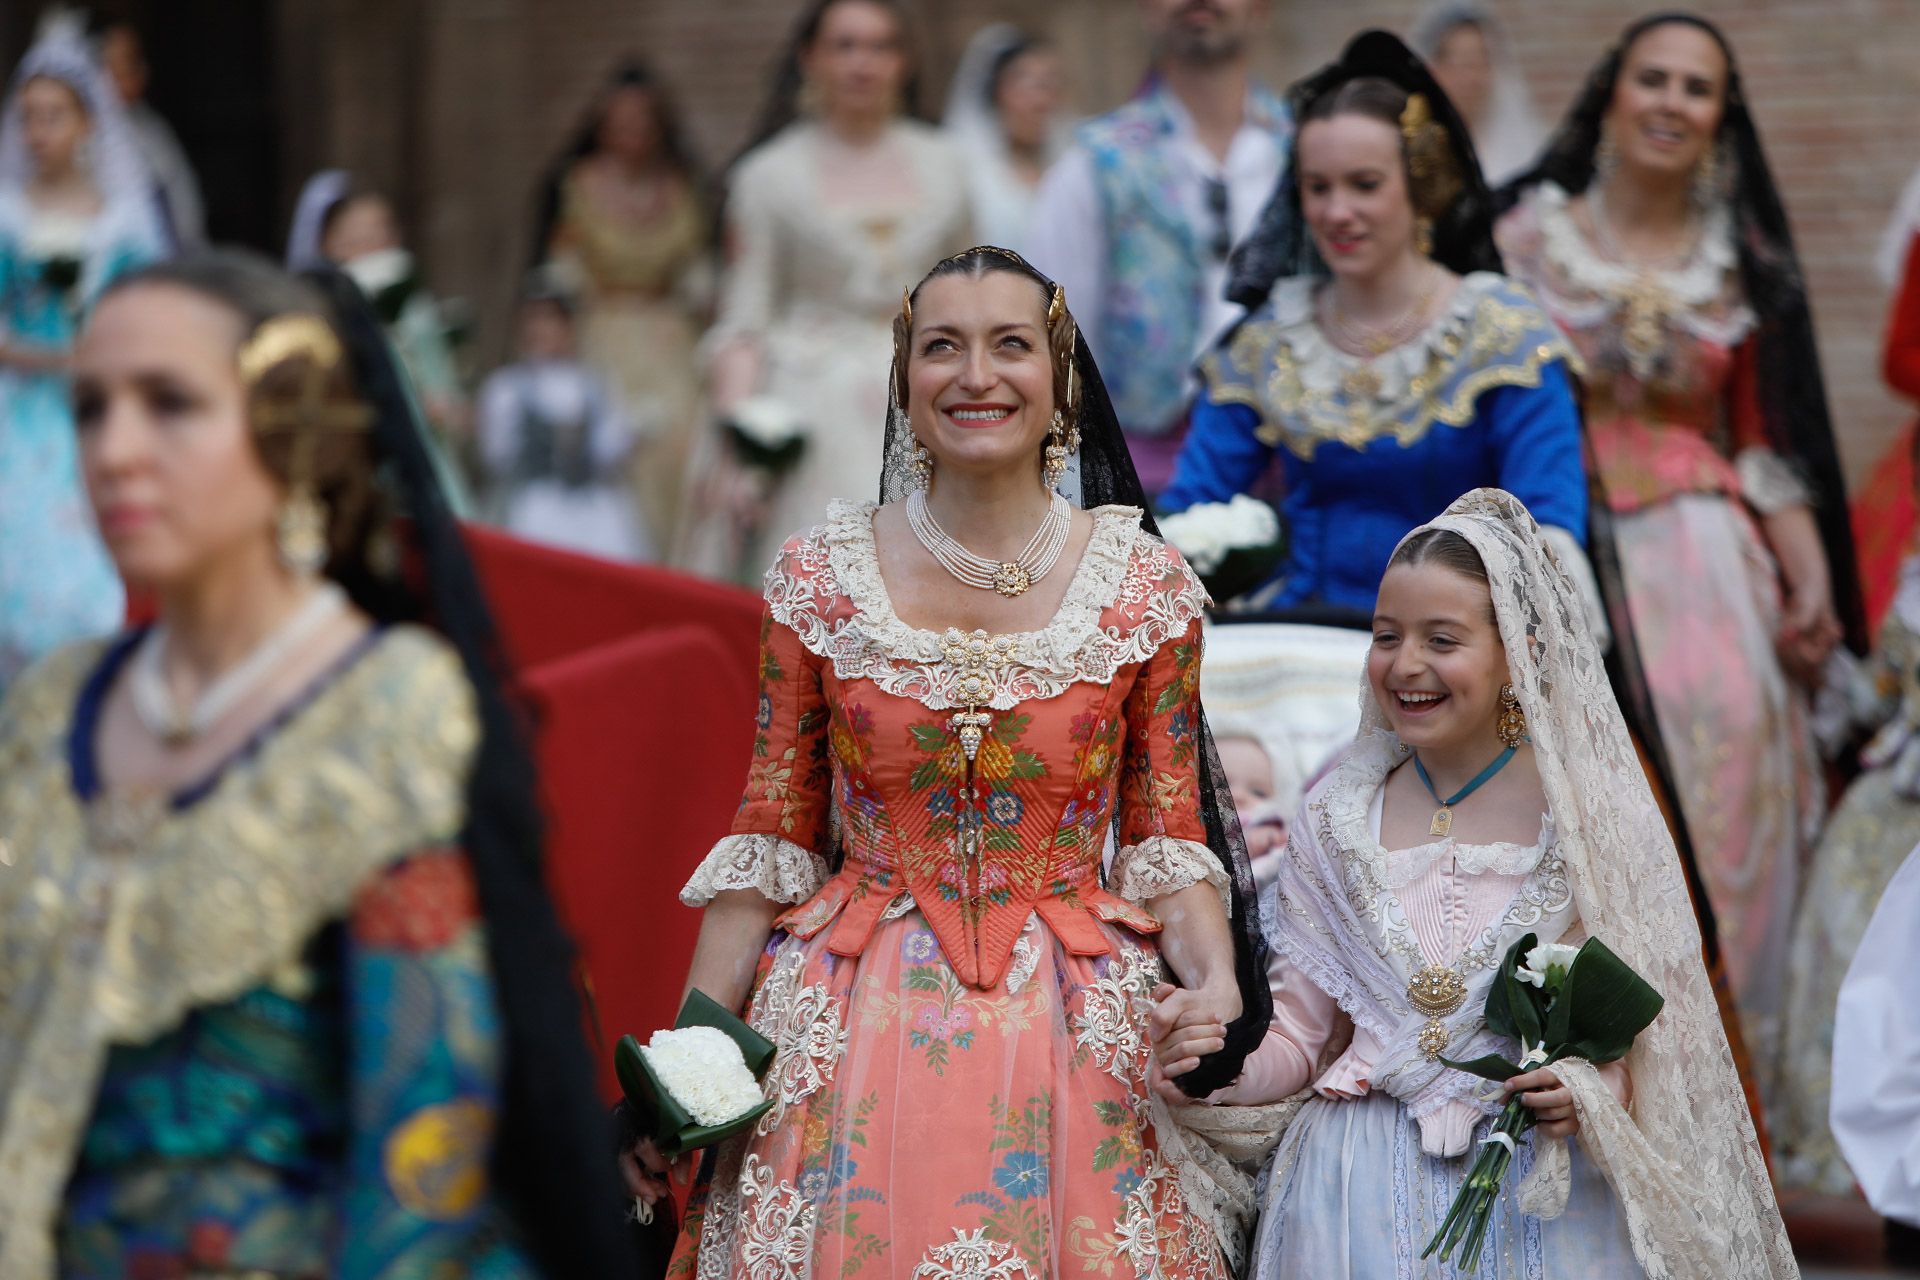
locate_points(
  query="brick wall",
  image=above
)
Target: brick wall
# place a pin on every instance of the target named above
(459, 104)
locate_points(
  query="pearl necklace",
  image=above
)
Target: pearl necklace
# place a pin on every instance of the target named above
(165, 719)
(1008, 577)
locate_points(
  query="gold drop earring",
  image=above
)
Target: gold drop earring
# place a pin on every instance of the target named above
(1512, 725)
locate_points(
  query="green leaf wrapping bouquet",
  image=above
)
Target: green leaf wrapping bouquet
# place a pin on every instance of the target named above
(697, 1083)
(1559, 1002)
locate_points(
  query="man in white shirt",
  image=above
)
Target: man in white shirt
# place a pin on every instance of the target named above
(1138, 218)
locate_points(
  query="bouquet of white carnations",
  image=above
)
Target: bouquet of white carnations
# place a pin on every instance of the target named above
(766, 434)
(697, 1083)
(1559, 1002)
(1234, 546)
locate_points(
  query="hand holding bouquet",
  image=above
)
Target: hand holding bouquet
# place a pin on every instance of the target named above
(697, 1083)
(1558, 1002)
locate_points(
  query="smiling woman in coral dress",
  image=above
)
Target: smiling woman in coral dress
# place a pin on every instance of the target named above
(945, 741)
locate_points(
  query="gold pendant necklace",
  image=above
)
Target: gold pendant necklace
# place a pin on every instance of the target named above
(1438, 992)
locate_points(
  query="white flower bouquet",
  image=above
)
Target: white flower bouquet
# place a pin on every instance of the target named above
(1234, 546)
(698, 1082)
(1559, 1002)
(766, 434)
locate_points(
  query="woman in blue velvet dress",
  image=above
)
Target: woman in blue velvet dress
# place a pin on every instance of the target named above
(1384, 359)
(281, 992)
(74, 212)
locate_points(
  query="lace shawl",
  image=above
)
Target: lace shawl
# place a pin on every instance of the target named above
(1334, 912)
(1685, 1162)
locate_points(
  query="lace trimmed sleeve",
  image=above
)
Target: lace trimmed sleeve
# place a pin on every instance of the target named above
(781, 827)
(1161, 833)
(779, 870)
(1161, 865)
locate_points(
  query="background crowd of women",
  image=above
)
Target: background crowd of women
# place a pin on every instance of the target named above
(1606, 319)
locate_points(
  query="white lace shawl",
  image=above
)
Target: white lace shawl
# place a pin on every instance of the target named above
(1685, 1162)
(1334, 913)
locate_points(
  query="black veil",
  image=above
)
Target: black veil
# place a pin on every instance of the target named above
(1792, 393)
(1106, 476)
(1281, 245)
(551, 1162)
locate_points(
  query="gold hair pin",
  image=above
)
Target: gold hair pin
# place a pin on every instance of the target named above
(295, 336)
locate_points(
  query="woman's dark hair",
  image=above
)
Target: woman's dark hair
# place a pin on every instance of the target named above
(675, 149)
(1430, 188)
(1376, 76)
(1441, 547)
(782, 106)
(550, 1164)
(1447, 550)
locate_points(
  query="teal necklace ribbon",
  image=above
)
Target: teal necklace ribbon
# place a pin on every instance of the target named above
(1443, 816)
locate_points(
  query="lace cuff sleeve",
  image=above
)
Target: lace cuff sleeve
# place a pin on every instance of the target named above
(779, 869)
(1160, 865)
(1768, 481)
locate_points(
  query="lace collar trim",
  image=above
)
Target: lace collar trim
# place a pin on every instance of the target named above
(1353, 804)
(1122, 566)
(1324, 367)
(1698, 284)
(1096, 580)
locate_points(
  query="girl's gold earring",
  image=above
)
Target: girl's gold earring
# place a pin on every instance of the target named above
(1512, 725)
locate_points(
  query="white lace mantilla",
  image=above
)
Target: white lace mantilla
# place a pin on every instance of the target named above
(1160, 865)
(1123, 565)
(779, 869)
(1696, 285)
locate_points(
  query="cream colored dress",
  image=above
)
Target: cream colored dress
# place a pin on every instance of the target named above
(815, 281)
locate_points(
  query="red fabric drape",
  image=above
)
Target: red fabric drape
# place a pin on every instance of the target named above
(1884, 517)
(642, 687)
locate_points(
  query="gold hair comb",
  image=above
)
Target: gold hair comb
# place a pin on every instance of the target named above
(288, 337)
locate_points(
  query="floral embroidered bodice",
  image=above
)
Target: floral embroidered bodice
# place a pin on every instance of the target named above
(973, 776)
(1669, 393)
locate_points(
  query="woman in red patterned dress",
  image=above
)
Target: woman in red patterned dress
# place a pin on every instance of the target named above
(963, 691)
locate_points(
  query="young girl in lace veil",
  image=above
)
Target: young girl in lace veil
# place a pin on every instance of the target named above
(1477, 621)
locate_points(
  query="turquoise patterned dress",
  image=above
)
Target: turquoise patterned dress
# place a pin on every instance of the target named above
(250, 1029)
(56, 583)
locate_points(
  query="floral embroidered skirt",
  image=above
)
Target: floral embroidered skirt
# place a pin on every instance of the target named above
(1353, 1197)
(1703, 595)
(927, 1129)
